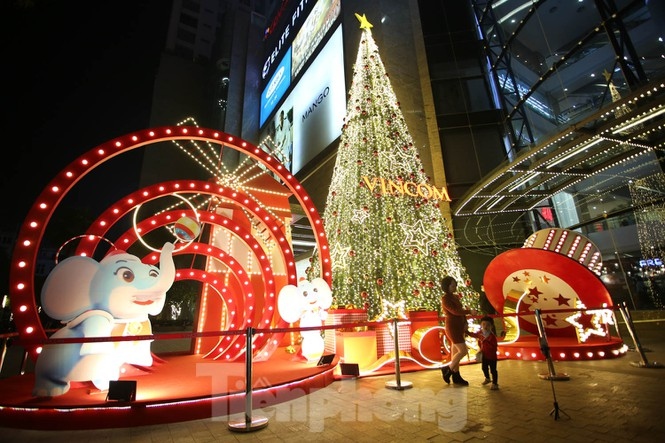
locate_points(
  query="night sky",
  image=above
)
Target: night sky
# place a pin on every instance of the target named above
(77, 73)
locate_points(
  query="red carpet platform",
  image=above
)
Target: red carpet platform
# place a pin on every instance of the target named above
(187, 387)
(177, 388)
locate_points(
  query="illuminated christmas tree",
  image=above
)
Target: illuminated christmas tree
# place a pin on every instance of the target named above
(616, 95)
(390, 246)
(623, 109)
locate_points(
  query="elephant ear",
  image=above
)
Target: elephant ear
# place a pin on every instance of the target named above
(289, 303)
(324, 292)
(66, 291)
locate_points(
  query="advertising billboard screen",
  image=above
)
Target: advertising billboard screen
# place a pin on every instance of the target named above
(279, 83)
(312, 115)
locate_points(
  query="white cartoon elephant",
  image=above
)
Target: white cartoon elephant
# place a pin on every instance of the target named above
(112, 297)
(307, 302)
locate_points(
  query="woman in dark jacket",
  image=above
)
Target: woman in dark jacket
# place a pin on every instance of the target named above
(456, 327)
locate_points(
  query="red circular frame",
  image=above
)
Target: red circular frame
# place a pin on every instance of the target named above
(588, 288)
(24, 259)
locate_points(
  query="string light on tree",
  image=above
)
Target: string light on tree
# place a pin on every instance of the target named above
(417, 236)
(338, 255)
(359, 216)
(383, 217)
(392, 310)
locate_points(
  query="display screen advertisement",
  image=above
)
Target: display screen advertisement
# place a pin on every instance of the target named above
(279, 83)
(311, 28)
(312, 115)
(315, 27)
(284, 27)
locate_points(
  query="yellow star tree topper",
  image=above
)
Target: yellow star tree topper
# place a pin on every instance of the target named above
(364, 23)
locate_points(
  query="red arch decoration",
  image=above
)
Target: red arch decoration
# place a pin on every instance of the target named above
(260, 342)
(23, 263)
(107, 219)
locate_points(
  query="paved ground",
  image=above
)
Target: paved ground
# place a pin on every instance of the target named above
(602, 401)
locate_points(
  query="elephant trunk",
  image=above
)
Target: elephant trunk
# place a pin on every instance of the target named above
(166, 268)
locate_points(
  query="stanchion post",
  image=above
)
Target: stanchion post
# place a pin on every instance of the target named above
(24, 362)
(397, 383)
(616, 323)
(644, 363)
(250, 423)
(545, 348)
(3, 354)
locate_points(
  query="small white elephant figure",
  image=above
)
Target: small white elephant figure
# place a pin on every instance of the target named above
(112, 297)
(307, 302)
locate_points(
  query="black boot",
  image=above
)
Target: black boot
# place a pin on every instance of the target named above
(446, 372)
(458, 380)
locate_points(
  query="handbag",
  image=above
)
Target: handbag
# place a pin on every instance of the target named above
(479, 356)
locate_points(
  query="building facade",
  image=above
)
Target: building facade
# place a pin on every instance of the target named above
(532, 114)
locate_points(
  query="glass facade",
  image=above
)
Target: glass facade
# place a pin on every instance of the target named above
(548, 113)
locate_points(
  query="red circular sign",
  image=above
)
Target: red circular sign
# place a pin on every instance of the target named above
(526, 279)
